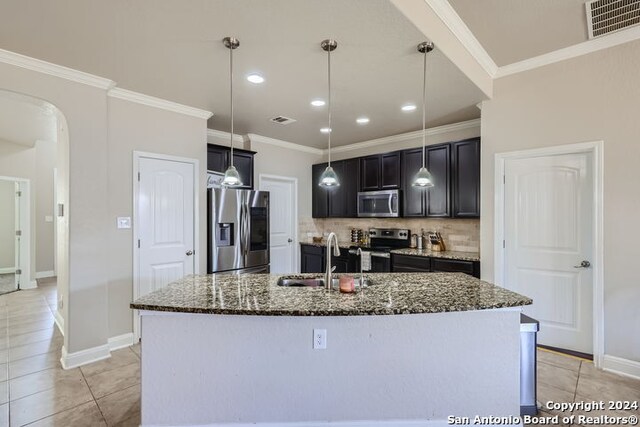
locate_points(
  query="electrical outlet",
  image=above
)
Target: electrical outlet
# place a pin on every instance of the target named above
(319, 339)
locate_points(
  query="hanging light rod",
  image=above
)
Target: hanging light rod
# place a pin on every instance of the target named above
(329, 179)
(231, 176)
(423, 178)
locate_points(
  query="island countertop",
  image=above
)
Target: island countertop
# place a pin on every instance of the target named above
(390, 293)
(462, 256)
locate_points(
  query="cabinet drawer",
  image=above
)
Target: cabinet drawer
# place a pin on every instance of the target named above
(408, 263)
(452, 266)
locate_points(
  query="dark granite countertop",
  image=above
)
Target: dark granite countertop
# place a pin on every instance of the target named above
(462, 256)
(343, 245)
(390, 293)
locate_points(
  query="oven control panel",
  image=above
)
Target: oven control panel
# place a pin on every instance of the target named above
(389, 233)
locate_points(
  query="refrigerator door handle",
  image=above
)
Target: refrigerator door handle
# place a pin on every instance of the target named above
(247, 230)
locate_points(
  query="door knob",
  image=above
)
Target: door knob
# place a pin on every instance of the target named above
(289, 240)
(189, 252)
(583, 264)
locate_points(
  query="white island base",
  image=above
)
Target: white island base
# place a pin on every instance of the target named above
(385, 370)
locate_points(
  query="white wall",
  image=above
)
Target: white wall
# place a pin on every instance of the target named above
(592, 97)
(136, 127)
(7, 224)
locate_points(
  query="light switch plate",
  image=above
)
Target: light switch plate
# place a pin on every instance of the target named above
(124, 222)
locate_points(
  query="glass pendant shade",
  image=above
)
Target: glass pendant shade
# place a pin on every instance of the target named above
(231, 178)
(329, 178)
(423, 179)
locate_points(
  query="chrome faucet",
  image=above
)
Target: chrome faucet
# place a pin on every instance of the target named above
(336, 251)
(359, 253)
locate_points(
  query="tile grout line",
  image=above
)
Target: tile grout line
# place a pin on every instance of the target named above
(93, 396)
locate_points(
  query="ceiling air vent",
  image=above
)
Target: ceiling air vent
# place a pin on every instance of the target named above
(608, 16)
(282, 120)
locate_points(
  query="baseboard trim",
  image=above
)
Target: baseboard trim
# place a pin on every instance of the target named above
(121, 341)
(57, 316)
(83, 357)
(28, 285)
(45, 274)
(618, 365)
(7, 270)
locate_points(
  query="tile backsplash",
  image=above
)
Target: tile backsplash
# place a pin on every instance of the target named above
(459, 234)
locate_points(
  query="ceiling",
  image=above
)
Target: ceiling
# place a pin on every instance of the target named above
(25, 120)
(514, 30)
(172, 49)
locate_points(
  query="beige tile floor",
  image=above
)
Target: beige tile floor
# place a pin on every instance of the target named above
(36, 391)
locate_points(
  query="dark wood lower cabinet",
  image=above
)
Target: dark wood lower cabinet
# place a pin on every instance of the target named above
(311, 259)
(416, 264)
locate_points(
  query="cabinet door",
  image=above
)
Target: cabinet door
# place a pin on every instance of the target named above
(319, 203)
(466, 178)
(351, 185)
(455, 266)
(217, 158)
(244, 164)
(438, 202)
(412, 197)
(312, 259)
(337, 195)
(370, 173)
(341, 263)
(390, 176)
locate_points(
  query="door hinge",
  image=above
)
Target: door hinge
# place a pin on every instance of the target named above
(504, 179)
(19, 193)
(138, 243)
(18, 233)
(504, 244)
(18, 271)
(138, 176)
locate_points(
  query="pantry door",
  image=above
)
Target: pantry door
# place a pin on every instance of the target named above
(283, 222)
(548, 219)
(164, 220)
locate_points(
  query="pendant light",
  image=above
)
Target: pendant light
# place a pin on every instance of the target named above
(231, 176)
(329, 179)
(423, 178)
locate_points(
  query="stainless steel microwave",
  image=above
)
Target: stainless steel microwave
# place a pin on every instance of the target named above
(379, 204)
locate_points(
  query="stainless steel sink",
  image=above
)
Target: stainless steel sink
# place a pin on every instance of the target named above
(316, 282)
(289, 281)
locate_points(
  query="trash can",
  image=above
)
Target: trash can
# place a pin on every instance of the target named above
(528, 331)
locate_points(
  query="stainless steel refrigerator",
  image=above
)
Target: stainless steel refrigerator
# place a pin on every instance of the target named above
(238, 231)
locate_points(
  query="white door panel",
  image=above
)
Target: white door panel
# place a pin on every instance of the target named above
(282, 223)
(548, 226)
(165, 222)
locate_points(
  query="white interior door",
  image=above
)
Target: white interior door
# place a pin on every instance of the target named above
(282, 222)
(18, 234)
(548, 231)
(165, 222)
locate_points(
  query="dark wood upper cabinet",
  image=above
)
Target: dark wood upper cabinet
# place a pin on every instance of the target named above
(320, 200)
(413, 198)
(465, 161)
(341, 201)
(380, 172)
(390, 165)
(218, 161)
(370, 173)
(438, 200)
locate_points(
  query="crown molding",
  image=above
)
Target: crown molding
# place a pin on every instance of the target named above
(406, 136)
(48, 68)
(284, 144)
(163, 104)
(452, 20)
(225, 135)
(590, 46)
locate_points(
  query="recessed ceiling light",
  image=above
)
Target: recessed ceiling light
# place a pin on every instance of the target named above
(408, 107)
(325, 130)
(317, 103)
(255, 78)
(362, 120)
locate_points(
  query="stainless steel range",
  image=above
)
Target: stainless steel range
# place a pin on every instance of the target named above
(382, 242)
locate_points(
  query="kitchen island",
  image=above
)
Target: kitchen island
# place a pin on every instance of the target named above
(411, 348)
